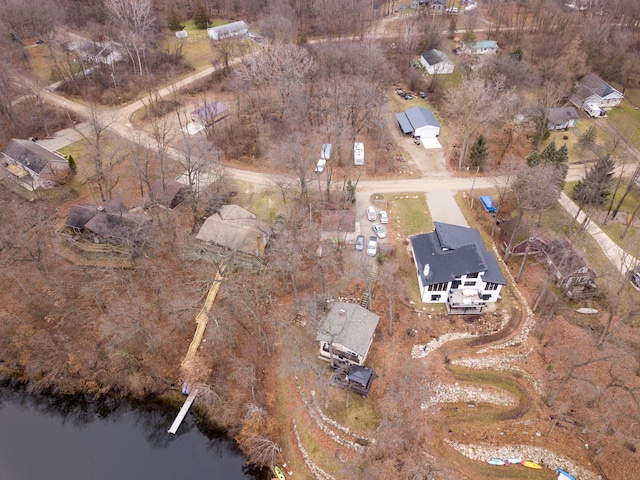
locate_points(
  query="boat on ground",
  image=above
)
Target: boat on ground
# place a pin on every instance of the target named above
(564, 475)
(514, 461)
(530, 464)
(495, 461)
(278, 473)
(587, 311)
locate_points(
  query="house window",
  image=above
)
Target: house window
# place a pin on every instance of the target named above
(472, 275)
(469, 284)
(436, 298)
(491, 286)
(437, 287)
(455, 284)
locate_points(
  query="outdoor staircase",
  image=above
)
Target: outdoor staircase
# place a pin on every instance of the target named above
(373, 275)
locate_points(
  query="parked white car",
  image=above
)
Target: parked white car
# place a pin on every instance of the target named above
(372, 246)
(452, 10)
(320, 165)
(379, 230)
(384, 218)
(371, 213)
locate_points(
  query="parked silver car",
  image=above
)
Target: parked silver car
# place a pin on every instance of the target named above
(379, 230)
(360, 243)
(372, 246)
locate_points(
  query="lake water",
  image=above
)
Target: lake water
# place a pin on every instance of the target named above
(49, 438)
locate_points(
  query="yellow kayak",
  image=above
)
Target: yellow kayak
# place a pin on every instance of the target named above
(279, 473)
(530, 464)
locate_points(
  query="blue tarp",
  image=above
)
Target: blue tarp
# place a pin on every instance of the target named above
(487, 203)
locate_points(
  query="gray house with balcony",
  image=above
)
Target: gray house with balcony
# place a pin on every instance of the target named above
(455, 268)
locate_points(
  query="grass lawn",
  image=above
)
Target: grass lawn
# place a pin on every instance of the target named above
(626, 118)
(196, 48)
(614, 230)
(408, 212)
(265, 203)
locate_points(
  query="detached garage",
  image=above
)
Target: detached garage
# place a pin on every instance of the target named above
(419, 122)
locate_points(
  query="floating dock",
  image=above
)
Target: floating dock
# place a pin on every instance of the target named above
(183, 412)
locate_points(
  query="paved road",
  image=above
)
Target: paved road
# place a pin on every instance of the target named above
(435, 182)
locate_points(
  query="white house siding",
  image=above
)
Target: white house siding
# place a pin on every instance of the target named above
(428, 131)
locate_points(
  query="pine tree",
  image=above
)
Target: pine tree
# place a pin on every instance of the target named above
(596, 185)
(174, 22)
(479, 152)
(453, 28)
(533, 160)
(201, 16)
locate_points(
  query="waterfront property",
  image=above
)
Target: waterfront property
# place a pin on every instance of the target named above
(455, 268)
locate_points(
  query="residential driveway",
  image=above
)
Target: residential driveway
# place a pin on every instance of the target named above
(444, 208)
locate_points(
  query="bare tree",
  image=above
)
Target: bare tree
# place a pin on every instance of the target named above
(476, 103)
(135, 20)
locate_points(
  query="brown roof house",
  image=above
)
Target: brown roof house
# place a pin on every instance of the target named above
(34, 166)
(568, 265)
(347, 333)
(111, 223)
(171, 195)
(234, 231)
(338, 226)
(526, 234)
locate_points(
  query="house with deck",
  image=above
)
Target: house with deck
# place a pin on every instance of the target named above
(33, 166)
(481, 47)
(235, 233)
(111, 223)
(455, 268)
(346, 334)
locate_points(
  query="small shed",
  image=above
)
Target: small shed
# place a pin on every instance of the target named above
(210, 113)
(182, 34)
(227, 31)
(525, 235)
(338, 226)
(172, 194)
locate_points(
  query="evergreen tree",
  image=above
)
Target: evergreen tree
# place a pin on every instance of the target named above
(479, 152)
(468, 37)
(548, 153)
(596, 185)
(533, 160)
(453, 28)
(516, 54)
(174, 22)
(201, 15)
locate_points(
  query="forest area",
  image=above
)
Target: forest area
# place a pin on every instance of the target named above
(94, 324)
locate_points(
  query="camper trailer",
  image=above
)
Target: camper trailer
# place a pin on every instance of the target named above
(358, 153)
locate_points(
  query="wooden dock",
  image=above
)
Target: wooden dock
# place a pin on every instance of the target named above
(183, 412)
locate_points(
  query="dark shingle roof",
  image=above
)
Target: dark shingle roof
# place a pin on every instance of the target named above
(79, 215)
(436, 56)
(558, 115)
(451, 251)
(30, 154)
(590, 85)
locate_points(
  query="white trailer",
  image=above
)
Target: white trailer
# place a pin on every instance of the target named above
(358, 153)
